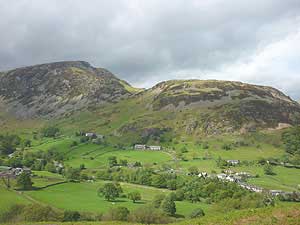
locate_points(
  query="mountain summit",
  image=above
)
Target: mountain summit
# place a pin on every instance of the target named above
(55, 89)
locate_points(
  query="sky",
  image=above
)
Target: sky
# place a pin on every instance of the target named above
(148, 41)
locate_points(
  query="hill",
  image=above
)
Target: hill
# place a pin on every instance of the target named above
(104, 103)
(55, 89)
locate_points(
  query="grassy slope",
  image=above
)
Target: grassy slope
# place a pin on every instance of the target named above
(8, 198)
(83, 197)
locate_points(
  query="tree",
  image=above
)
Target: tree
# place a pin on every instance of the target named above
(110, 191)
(158, 200)
(112, 161)
(179, 195)
(268, 169)
(193, 170)
(159, 181)
(72, 173)
(134, 196)
(168, 206)
(197, 213)
(71, 216)
(50, 167)
(51, 131)
(24, 181)
(119, 213)
(123, 162)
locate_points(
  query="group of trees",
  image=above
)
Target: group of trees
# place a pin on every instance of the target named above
(9, 143)
(50, 131)
(291, 140)
(143, 176)
(110, 191)
(113, 161)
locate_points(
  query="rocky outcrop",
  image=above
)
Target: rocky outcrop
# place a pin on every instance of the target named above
(57, 89)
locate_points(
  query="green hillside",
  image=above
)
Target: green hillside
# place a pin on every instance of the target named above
(76, 132)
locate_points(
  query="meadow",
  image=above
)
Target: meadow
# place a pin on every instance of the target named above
(83, 197)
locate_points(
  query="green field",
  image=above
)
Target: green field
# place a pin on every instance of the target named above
(83, 197)
(9, 198)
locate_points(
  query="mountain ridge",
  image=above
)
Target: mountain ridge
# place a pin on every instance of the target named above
(196, 106)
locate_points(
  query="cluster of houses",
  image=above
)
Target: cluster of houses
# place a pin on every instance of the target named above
(14, 171)
(147, 147)
(239, 177)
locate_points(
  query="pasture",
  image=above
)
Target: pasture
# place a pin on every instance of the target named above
(79, 196)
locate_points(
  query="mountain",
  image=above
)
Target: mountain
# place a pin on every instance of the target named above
(72, 90)
(56, 89)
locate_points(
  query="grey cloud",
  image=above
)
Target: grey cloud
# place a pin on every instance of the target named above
(145, 41)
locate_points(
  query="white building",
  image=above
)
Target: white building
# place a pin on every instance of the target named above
(140, 147)
(154, 147)
(233, 162)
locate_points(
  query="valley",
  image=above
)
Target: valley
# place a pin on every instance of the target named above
(98, 149)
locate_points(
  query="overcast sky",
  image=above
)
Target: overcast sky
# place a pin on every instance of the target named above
(144, 42)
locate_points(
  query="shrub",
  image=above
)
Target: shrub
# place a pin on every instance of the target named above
(50, 131)
(134, 196)
(197, 213)
(37, 213)
(168, 206)
(268, 169)
(149, 215)
(118, 213)
(71, 216)
(158, 200)
(24, 181)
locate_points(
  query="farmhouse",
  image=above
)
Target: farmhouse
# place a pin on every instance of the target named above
(93, 135)
(140, 147)
(154, 147)
(18, 171)
(276, 192)
(233, 162)
(144, 147)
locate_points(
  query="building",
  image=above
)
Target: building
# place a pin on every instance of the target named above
(91, 135)
(221, 176)
(202, 175)
(140, 147)
(154, 147)
(18, 171)
(275, 192)
(233, 162)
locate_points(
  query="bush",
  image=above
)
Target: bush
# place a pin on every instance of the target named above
(197, 213)
(268, 169)
(118, 213)
(13, 214)
(158, 200)
(168, 206)
(71, 216)
(149, 215)
(50, 131)
(24, 181)
(37, 213)
(134, 196)
(179, 195)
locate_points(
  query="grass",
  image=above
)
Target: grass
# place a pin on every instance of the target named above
(9, 198)
(83, 197)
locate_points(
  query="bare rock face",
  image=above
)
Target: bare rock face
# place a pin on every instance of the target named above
(56, 89)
